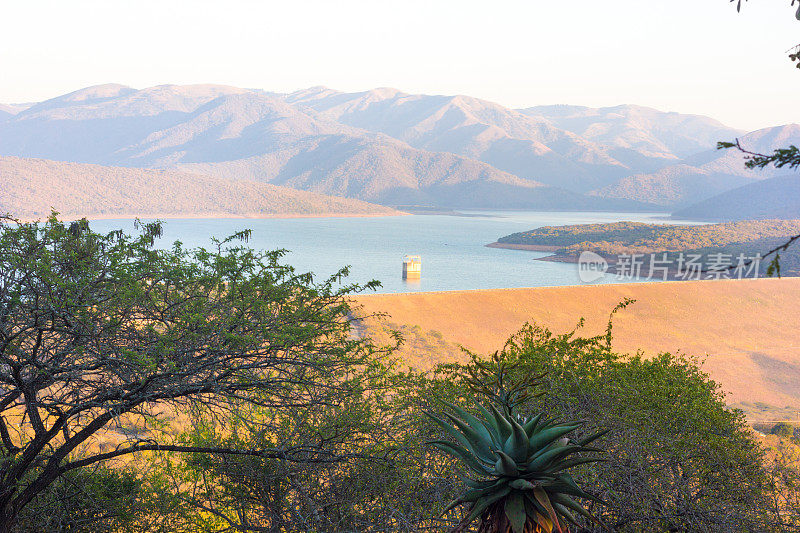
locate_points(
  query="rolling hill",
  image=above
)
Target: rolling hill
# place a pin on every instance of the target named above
(705, 174)
(637, 131)
(774, 198)
(32, 187)
(744, 331)
(504, 138)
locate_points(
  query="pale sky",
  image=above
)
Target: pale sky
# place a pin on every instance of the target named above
(691, 56)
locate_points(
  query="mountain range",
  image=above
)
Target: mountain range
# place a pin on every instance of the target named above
(773, 198)
(393, 148)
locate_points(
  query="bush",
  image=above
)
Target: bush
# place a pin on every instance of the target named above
(782, 429)
(678, 458)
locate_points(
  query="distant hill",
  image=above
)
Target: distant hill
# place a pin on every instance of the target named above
(705, 174)
(390, 147)
(774, 198)
(504, 138)
(640, 237)
(32, 187)
(243, 134)
(675, 185)
(671, 243)
(9, 110)
(641, 130)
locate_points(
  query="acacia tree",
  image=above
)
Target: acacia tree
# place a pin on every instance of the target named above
(99, 331)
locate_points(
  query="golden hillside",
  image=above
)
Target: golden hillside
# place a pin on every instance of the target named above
(32, 187)
(747, 330)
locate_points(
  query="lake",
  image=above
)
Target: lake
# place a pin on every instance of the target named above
(454, 255)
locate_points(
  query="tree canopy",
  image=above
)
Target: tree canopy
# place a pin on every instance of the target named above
(101, 331)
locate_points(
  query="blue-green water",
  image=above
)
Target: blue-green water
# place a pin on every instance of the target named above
(454, 255)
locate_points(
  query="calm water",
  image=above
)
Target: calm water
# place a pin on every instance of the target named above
(454, 255)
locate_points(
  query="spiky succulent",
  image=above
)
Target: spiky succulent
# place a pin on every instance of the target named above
(519, 467)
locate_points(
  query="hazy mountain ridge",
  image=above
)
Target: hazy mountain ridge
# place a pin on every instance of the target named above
(388, 146)
(238, 133)
(473, 128)
(9, 110)
(705, 174)
(773, 198)
(654, 133)
(32, 187)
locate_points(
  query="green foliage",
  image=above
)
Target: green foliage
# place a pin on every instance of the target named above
(795, 55)
(99, 331)
(678, 458)
(288, 421)
(782, 429)
(519, 466)
(365, 466)
(93, 500)
(782, 157)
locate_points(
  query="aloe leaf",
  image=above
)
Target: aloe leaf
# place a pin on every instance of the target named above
(452, 505)
(547, 436)
(457, 435)
(522, 484)
(535, 504)
(544, 523)
(542, 497)
(460, 453)
(474, 494)
(515, 511)
(578, 493)
(530, 425)
(474, 422)
(530, 507)
(474, 483)
(483, 504)
(476, 441)
(570, 463)
(566, 501)
(506, 466)
(539, 462)
(517, 444)
(491, 425)
(503, 425)
(566, 513)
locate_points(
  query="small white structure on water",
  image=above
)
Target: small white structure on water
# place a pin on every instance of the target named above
(412, 267)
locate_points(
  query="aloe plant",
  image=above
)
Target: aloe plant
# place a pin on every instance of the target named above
(519, 470)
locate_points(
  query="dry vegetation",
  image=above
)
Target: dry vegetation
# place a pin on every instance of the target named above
(32, 187)
(746, 331)
(630, 237)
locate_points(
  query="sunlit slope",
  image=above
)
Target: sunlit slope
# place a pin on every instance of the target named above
(748, 331)
(30, 188)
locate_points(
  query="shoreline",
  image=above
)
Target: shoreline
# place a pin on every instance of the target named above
(194, 216)
(613, 266)
(526, 247)
(577, 285)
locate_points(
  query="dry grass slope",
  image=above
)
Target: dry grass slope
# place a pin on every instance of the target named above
(31, 187)
(747, 331)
